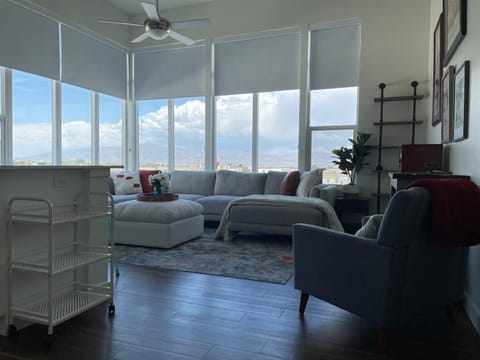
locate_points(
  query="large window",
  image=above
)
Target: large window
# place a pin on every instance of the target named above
(334, 71)
(333, 116)
(153, 134)
(234, 132)
(31, 119)
(278, 130)
(76, 125)
(267, 137)
(189, 133)
(110, 132)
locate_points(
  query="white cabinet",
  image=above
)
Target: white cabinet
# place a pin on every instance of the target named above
(56, 245)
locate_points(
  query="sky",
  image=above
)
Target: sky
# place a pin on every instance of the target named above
(278, 123)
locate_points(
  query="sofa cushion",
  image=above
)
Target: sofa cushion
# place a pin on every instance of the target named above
(110, 185)
(290, 183)
(239, 184)
(308, 179)
(191, 197)
(192, 182)
(273, 181)
(371, 226)
(127, 183)
(122, 198)
(162, 212)
(215, 204)
(144, 174)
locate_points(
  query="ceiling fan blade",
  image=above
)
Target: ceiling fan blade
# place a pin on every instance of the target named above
(119, 23)
(191, 24)
(181, 38)
(140, 38)
(151, 11)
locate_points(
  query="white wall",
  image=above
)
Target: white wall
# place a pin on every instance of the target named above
(463, 156)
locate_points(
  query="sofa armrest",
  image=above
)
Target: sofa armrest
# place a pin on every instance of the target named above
(352, 272)
(325, 192)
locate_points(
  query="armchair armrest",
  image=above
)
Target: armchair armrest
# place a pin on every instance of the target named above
(352, 272)
(325, 192)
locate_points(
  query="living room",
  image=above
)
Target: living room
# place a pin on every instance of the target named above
(396, 47)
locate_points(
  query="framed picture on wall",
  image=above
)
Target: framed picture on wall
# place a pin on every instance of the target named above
(437, 71)
(460, 115)
(455, 18)
(447, 104)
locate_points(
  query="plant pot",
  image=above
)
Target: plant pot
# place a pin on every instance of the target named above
(351, 191)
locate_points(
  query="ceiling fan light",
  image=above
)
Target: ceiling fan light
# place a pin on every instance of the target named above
(159, 34)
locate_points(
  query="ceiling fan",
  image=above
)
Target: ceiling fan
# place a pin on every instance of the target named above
(159, 28)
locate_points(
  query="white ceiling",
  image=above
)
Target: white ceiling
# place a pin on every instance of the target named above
(133, 7)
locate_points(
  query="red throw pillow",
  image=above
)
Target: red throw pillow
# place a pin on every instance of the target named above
(289, 183)
(144, 174)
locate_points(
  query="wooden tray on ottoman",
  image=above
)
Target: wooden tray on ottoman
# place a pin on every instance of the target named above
(162, 197)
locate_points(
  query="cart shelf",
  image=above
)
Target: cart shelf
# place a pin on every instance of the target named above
(60, 263)
(64, 307)
(58, 216)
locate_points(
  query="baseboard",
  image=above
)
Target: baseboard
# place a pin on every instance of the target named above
(473, 312)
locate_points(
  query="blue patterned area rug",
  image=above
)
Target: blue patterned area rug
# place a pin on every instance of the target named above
(249, 256)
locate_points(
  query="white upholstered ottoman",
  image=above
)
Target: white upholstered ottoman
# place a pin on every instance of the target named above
(158, 224)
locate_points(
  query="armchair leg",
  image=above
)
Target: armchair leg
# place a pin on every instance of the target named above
(303, 302)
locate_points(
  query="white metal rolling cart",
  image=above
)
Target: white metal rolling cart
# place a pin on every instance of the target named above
(64, 250)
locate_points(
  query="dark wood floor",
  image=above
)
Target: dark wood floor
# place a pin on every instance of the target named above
(172, 315)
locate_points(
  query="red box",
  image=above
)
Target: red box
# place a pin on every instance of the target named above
(421, 157)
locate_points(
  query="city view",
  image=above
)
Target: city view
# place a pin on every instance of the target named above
(277, 139)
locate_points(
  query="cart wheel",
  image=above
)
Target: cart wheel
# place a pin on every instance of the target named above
(12, 330)
(111, 309)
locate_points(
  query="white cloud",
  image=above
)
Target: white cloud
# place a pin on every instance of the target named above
(31, 139)
(76, 135)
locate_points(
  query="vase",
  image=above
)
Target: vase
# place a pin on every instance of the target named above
(158, 190)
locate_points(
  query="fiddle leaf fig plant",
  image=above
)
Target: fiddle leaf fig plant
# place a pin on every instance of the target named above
(352, 160)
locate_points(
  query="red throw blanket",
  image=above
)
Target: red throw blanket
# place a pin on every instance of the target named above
(454, 211)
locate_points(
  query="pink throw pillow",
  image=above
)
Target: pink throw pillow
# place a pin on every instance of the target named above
(144, 174)
(289, 183)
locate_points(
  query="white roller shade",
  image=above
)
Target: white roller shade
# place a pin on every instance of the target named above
(257, 65)
(171, 73)
(335, 57)
(28, 41)
(92, 64)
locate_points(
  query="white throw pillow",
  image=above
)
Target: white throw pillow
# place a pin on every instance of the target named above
(308, 180)
(127, 183)
(370, 229)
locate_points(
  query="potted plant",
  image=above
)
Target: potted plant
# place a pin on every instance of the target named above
(352, 160)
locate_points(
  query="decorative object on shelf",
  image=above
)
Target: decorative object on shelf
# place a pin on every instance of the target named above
(158, 197)
(352, 160)
(447, 104)
(455, 17)
(160, 183)
(438, 39)
(460, 117)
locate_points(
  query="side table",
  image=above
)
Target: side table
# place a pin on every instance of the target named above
(351, 211)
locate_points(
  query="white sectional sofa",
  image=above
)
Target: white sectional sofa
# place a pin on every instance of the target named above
(240, 201)
(215, 190)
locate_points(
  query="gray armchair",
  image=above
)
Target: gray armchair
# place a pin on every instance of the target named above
(387, 280)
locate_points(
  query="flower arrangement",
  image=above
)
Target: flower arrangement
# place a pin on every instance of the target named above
(160, 182)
